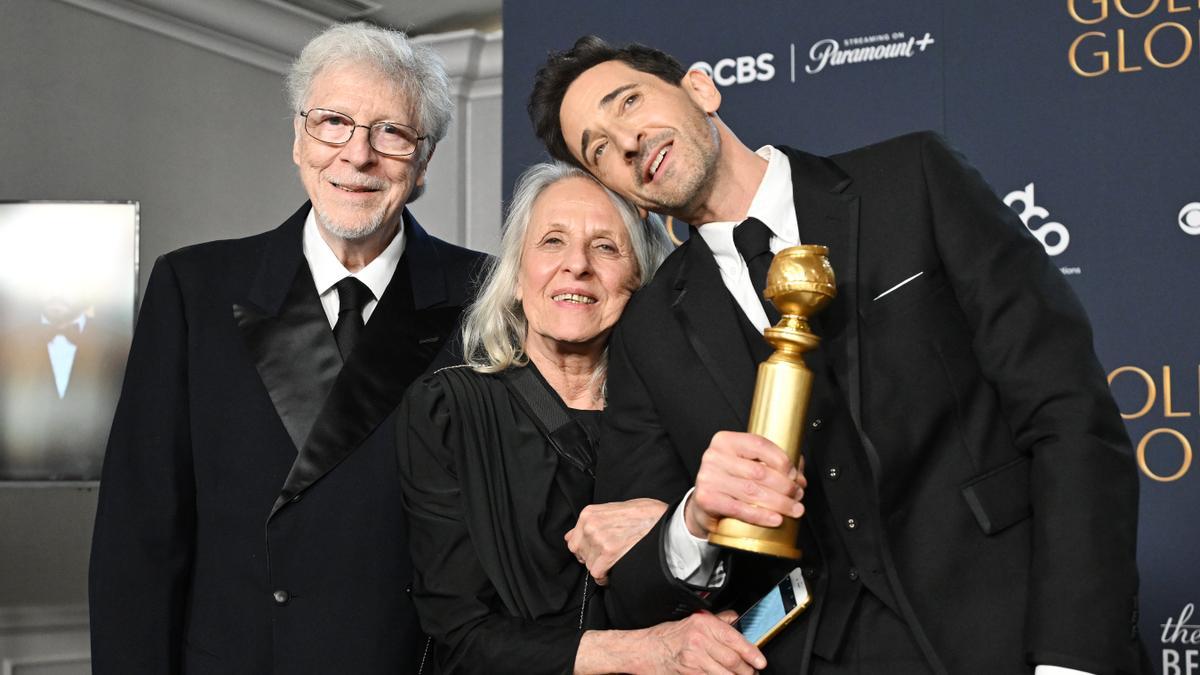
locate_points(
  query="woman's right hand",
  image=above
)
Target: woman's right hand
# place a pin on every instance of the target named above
(701, 643)
(605, 532)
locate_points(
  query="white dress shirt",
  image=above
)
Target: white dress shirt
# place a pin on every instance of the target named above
(327, 270)
(691, 559)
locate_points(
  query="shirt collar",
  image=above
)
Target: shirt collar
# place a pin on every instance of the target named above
(327, 270)
(772, 204)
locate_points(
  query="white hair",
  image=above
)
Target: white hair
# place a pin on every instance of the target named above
(494, 326)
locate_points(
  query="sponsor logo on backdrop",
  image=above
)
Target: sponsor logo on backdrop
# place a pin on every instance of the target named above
(1189, 218)
(1181, 643)
(1054, 236)
(1150, 396)
(831, 53)
(739, 70)
(823, 54)
(1128, 36)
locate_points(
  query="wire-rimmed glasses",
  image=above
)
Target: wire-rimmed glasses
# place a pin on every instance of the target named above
(392, 139)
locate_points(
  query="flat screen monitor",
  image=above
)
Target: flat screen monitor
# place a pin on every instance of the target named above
(68, 284)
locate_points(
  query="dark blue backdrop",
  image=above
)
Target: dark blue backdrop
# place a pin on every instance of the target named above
(1081, 113)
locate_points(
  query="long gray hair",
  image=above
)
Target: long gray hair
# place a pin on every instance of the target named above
(494, 326)
(416, 69)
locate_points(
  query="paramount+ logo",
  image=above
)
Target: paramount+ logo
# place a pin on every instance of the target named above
(739, 70)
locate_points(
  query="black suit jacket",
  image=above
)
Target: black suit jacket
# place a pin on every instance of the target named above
(961, 421)
(250, 517)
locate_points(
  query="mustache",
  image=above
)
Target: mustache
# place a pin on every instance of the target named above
(361, 181)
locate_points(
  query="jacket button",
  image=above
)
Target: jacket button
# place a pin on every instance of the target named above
(808, 571)
(834, 473)
(408, 588)
(816, 424)
(851, 523)
(281, 597)
(853, 574)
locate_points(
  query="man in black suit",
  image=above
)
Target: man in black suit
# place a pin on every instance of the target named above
(971, 497)
(250, 517)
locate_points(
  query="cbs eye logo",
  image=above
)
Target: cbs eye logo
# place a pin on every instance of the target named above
(740, 70)
(1189, 218)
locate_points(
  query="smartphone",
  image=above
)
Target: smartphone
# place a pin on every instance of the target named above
(775, 610)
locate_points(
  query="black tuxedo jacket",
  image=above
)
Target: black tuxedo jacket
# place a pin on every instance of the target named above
(250, 517)
(966, 462)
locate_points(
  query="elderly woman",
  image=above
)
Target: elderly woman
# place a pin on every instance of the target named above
(496, 456)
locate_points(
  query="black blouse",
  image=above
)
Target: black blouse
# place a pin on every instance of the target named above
(489, 502)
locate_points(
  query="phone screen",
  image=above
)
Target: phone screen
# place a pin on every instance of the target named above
(762, 618)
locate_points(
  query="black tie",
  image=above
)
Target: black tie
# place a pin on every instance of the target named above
(353, 295)
(753, 240)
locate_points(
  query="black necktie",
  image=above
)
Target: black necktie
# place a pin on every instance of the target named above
(353, 295)
(753, 240)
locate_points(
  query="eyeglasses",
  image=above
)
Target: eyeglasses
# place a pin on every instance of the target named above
(387, 138)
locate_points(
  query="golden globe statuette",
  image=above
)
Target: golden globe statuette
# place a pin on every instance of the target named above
(799, 283)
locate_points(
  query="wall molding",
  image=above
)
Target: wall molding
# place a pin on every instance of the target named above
(43, 618)
(34, 639)
(32, 664)
(189, 32)
(270, 38)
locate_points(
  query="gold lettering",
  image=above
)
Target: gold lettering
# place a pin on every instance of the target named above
(1075, 14)
(669, 223)
(1151, 390)
(1183, 467)
(1187, 40)
(1121, 8)
(1073, 57)
(1167, 411)
(1121, 53)
(1172, 9)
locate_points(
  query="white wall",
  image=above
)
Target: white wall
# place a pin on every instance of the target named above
(98, 106)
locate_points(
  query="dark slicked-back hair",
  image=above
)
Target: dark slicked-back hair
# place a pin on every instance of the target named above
(563, 68)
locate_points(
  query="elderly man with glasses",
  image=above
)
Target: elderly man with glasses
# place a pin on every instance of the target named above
(250, 517)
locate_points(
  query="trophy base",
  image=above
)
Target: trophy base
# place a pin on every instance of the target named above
(775, 548)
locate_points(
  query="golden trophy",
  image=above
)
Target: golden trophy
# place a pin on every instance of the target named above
(799, 283)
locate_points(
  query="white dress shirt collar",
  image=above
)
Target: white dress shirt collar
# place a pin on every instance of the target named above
(327, 270)
(772, 204)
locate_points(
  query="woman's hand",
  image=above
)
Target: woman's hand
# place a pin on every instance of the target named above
(701, 643)
(605, 532)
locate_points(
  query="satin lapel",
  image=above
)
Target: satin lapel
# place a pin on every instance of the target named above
(286, 332)
(828, 213)
(711, 321)
(397, 344)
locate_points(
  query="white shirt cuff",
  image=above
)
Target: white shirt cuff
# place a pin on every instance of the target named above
(691, 559)
(1058, 670)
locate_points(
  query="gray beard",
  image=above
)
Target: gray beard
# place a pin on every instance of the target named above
(365, 227)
